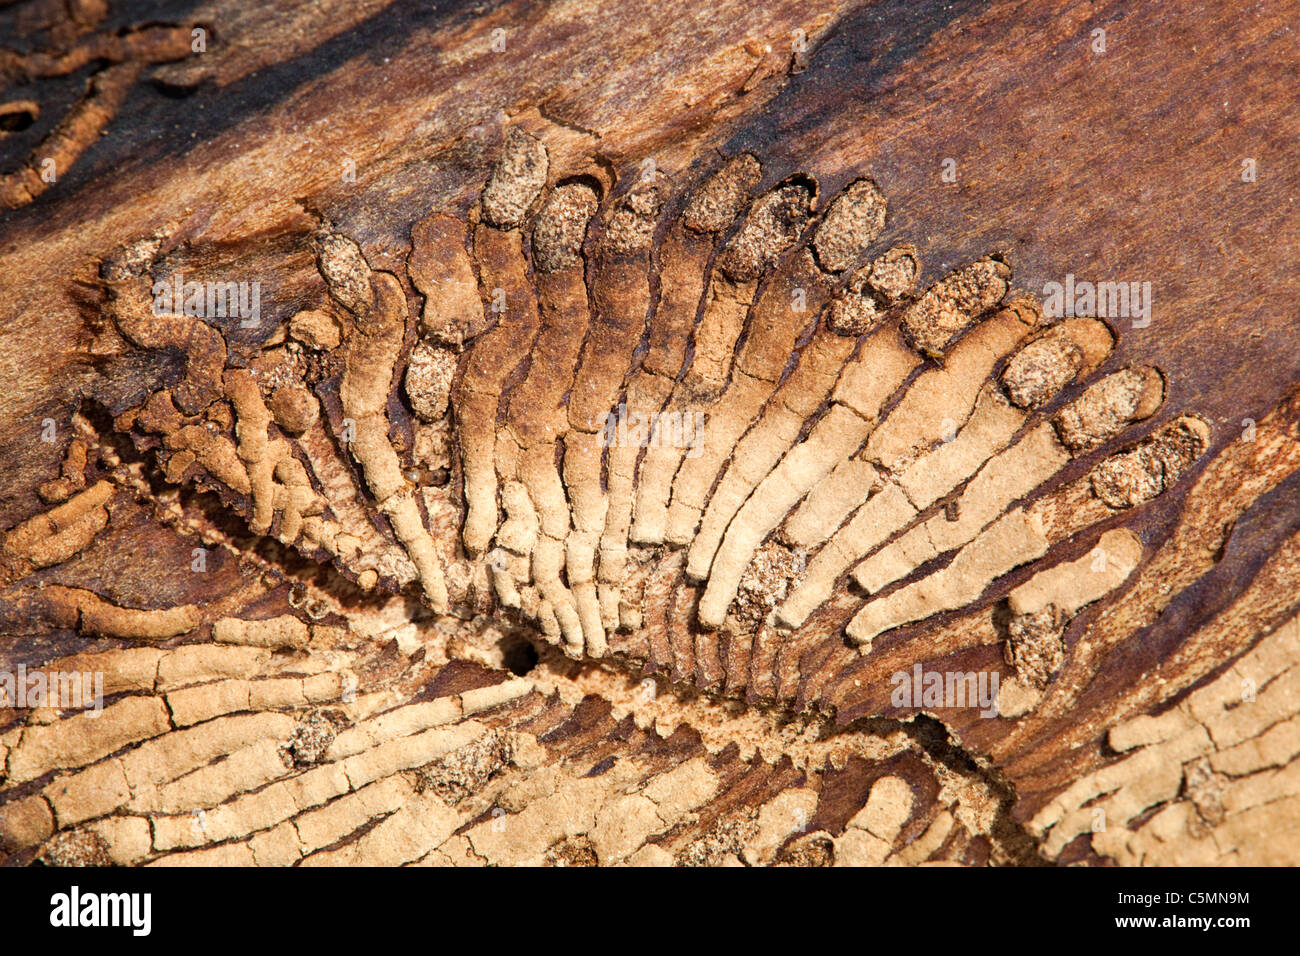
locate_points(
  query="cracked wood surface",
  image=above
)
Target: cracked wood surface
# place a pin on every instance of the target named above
(387, 574)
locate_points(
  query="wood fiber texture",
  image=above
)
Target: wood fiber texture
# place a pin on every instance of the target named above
(614, 433)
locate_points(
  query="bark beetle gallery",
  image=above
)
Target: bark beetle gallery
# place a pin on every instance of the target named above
(589, 435)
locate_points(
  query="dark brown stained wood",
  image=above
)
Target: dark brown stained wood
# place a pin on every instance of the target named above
(1159, 150)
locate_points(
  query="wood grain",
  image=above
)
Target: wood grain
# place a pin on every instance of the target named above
(999, 129)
